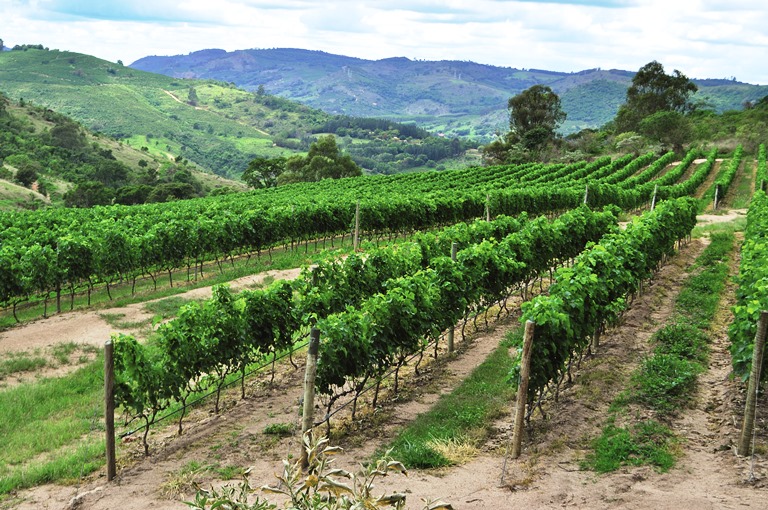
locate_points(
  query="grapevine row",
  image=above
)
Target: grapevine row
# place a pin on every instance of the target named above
(210, 341)
(594, 290)
(752, 292)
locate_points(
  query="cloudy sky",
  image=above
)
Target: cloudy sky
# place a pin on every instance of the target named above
(701, 38)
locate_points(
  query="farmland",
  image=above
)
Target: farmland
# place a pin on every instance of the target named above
(392, 300)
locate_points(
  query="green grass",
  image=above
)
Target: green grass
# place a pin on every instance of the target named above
(280, 429)
(645, 443)
(17, 363)
(699, 298)
(464, 413)
(52, 415)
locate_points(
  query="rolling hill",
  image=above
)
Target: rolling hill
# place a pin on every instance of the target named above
(212, 123)
(455, 97)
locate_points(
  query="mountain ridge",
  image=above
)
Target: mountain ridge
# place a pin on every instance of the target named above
(457, 97)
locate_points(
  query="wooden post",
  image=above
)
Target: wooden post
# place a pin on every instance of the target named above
(522, 389)
(653, 202)
(762, 184)
(717, 196)
(308, 412)
(356, 241)
(451, 331)
(754, 385)
(487, 207)
(586, 193)
(109, 408)
(596, 339)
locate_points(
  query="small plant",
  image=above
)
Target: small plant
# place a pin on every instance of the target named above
(319, 487)
(279, 429)
(682, 339)
(63, 351)
(647, 442)
(665, 382)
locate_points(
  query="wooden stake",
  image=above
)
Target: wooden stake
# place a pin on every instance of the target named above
(717, 196)
(451, 331)
(308, 412)
(522, 389)
(109, 408)
(356, 241)
(586, 193)
(653, 202)
(487, 207)
(754, 385)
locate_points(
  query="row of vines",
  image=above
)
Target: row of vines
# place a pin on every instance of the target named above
(595, 290)
(371, 310)
(752, 292)
(44, 253)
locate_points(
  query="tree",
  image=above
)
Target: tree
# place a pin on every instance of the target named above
(652, 91)
(323, 161)
(534, 115)
(669, 127)
(263, 172)
(26, 176)
(192, 98)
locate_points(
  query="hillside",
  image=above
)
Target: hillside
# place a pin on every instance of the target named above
(213, 124)
(48, 158)
(456, 97)
(194, 119)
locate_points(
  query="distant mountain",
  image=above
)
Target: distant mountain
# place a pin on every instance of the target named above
(212, 124)
(456, 97)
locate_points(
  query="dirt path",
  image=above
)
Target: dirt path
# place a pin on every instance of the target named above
(91, 328)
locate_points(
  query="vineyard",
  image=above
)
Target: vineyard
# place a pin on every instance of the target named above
(567, 247)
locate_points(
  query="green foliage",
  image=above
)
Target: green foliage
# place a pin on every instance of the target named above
(654, 91)
(592, 292)
(665, 383)
(645, 443)
(324, 161)
(752, 293)
(318, 487)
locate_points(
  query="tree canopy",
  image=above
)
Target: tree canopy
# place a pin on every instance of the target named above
(653, 91)
(323, 161)
(535, 114)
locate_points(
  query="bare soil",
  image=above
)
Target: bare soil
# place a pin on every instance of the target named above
(548, 474)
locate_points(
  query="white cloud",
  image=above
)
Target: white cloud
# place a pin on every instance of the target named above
(701, 38)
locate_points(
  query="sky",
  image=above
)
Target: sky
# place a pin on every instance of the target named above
(700, 38)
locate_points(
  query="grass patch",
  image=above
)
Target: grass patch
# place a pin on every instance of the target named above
(459, 418)
(63, 351)
(699, 298)
(666, 380)
(51, 415)
(279, 429)
(665, 383)
(116, 321)
(683, 340)
(167, 308)
(645, 443)
(17, 363)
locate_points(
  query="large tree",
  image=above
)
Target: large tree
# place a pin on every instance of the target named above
(534, 115)
(323, 161)
(653, 91)
(263, 172)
